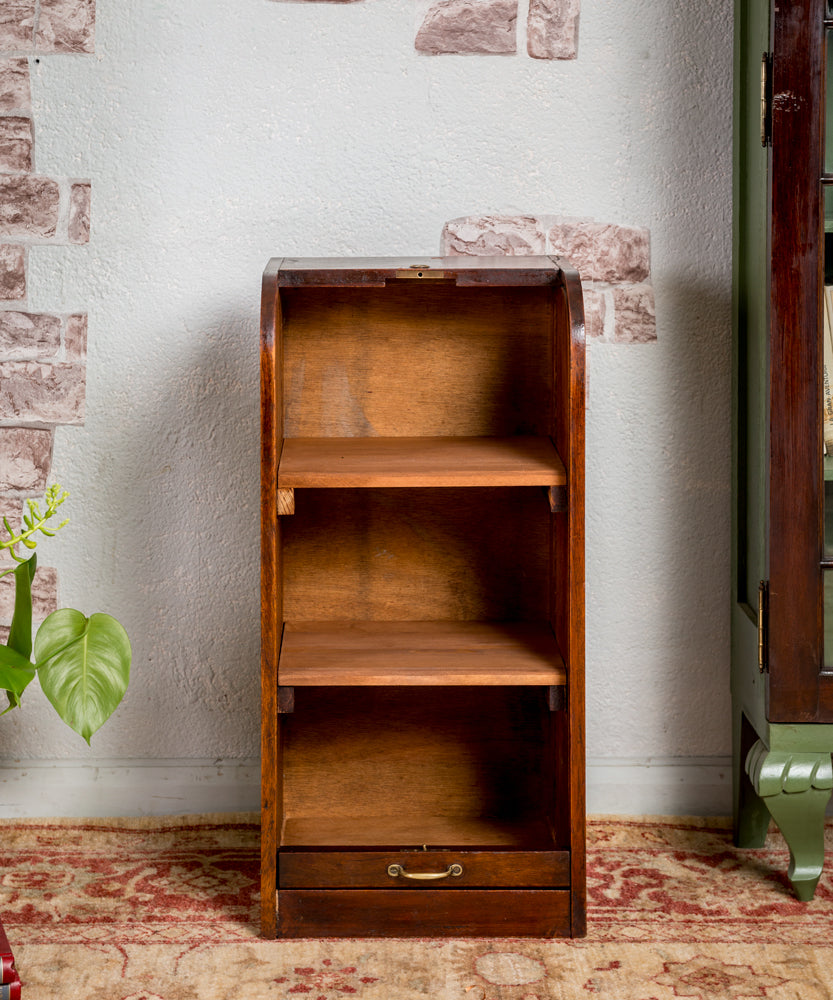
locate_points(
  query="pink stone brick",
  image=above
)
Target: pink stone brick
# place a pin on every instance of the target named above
(14, 84)
(44, 594)
(552, 29)
(28, 335)
(33, 392)
(594, 314)
(602, 251)
(493, 235)
(75, 338)
(16, 144)
(79, 213)
(17, 24)
(28, 206)
(25, 459)
(12, 271)
(66, 26)
(485, 26)
(634, 316)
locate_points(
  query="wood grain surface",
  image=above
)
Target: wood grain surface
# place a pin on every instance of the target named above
(419, 653)
(420, 461)
(414, 913)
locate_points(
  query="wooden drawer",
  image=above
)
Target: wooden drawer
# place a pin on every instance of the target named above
(304, 869)
(419, 913)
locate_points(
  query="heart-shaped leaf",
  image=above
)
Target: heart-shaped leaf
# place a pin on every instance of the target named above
(83, 666)
(15, 673)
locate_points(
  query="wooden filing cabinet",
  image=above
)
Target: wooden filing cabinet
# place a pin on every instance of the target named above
(422, 597)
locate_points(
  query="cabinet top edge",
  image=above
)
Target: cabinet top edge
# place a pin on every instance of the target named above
(370, 271)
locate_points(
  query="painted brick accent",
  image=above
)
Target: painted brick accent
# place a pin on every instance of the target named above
(635, 314)
(36, 393)
(66, 26)
(14, 84)
(75, 338)
(494, 235)
(44, 594)
(613, 261)
(595, 309)
(29, 206)
(12, 271)
(484, 26)
(17, 25)
(25, 336)
(16, 144)
(25, 460)
(603, 252)
(32, 390)
(552, 29)
(79, 213)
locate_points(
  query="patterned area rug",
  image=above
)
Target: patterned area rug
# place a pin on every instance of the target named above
(168, 909)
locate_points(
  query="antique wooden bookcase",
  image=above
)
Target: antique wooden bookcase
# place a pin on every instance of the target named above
(422, 598)
(782, 604)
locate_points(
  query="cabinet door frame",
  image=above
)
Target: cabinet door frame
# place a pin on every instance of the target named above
(798, 690)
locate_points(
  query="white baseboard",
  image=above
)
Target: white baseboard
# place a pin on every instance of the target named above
(155, 787)
(660, 786)
(675, 786)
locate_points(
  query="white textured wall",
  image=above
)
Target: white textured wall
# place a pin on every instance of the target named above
(217, 135)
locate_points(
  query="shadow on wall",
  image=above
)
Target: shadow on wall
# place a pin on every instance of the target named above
(190, 473)
(695, 84)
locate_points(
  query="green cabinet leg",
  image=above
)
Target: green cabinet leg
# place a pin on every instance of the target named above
(795, 787)
(751, 816)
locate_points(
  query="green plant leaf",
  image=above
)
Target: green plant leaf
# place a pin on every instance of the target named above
(20, 633)
(83, 666)
(15, 673)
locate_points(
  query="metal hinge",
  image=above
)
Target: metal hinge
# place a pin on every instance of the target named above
(763, 624)
(766, 99)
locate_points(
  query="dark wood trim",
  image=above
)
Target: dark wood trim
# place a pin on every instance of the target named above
(795, 594)
(321, 272)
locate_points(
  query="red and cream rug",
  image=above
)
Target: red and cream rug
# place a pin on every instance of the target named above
(167, 910)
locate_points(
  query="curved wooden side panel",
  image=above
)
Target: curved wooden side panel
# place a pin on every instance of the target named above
(270, 590)
(568, 538)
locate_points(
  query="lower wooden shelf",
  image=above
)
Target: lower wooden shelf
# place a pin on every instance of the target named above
(372, 653)
(401, 831)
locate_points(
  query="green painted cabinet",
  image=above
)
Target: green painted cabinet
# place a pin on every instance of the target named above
(782, 588)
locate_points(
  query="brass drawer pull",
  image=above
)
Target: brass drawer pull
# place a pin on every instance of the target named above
(396, 870)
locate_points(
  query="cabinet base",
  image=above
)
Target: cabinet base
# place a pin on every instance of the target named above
(310, 913)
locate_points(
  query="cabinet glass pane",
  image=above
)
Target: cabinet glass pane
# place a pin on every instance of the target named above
(828, 620)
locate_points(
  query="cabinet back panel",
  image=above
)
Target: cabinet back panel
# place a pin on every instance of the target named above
(417, 359)
(417, 554)
(411, 752)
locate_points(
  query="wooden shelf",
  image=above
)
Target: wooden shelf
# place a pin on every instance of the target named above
(363, 654)
(419, 461)
(415, 831)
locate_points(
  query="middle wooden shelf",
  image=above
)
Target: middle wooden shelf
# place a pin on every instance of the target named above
(435, 653)
(419, 461)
